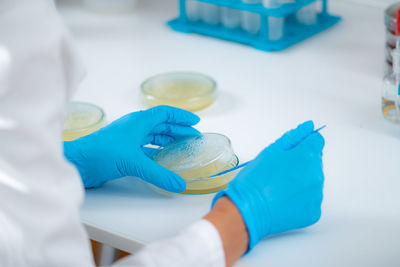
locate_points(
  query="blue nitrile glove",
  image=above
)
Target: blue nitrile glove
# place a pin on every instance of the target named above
(117, 150)
(281, 189)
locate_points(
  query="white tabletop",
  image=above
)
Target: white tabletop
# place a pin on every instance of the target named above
(333, 79)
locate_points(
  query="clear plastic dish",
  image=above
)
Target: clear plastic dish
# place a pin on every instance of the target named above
(196, 158)
(187, 90)
(82, 119)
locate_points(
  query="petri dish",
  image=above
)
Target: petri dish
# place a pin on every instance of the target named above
(82, 119)
(391, 17)
(196, 158)
(191, 91)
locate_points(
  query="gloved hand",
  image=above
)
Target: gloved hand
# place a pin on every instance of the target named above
(117, 150)
(282, 188)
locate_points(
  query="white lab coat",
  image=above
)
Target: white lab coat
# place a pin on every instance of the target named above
(40, 193)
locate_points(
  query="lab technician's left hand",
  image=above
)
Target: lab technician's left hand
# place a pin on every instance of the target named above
(117, 150)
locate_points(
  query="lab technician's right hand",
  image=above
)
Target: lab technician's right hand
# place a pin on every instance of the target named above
(282, 188)
(117, 150)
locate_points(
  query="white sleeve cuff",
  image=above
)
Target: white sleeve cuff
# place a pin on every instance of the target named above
(197, 245)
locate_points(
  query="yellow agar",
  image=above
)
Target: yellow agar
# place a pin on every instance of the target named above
(197, 158)
(70, 136)
(82, 119)
(208, 185)
(190, 95)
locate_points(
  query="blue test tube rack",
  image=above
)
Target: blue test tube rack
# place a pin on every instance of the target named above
(294, 32)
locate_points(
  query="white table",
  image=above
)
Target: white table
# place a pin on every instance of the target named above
(333, 78)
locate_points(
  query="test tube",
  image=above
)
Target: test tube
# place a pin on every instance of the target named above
(230, 17)
(308, 14)
(250, 21)
(193, 10)
(210, 13)
(275, 24)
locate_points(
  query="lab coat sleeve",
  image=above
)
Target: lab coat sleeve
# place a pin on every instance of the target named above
(40, 193)
(197, 246)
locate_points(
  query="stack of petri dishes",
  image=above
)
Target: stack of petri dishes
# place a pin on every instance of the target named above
(197, 158)
(392, 34)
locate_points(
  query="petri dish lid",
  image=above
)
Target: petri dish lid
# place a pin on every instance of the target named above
(81, 116)
(192, 152)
